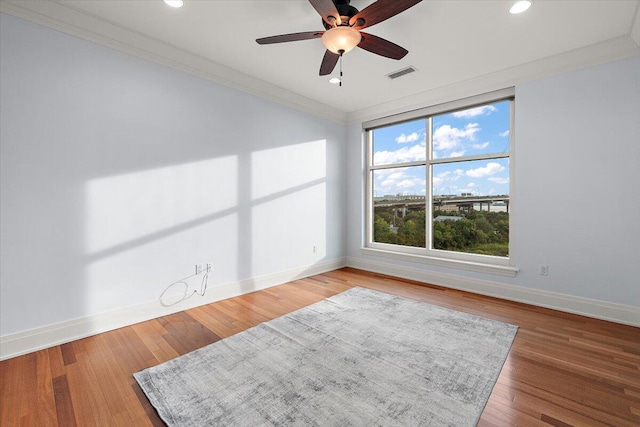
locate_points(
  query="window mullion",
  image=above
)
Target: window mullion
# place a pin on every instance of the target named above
(398, 165)
(470, 158)
(429, 190)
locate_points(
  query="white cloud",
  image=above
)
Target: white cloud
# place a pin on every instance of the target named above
(396, 175)
(446, 137)
(402, 155)
(383, 173)
(505, 133)
(441, 177)
(498, 180)
(398, 181)
(477, 111)
(481, 146)
(402, 139)
(447, 177)
(491, 168)
(408, 183)
(457, 153)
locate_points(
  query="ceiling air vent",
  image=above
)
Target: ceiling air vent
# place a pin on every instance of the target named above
(401, 73)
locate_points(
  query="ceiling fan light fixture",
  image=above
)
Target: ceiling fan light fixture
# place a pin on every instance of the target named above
(334, 80)
(174, 3)
(341, 39)
(520, 6)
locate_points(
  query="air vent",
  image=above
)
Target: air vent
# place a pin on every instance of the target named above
(401, 73)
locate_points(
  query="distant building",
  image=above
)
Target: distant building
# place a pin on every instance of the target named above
(447, 208)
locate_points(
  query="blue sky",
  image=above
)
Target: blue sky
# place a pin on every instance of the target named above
(478, 130)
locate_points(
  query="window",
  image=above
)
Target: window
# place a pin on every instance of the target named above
(438, 182)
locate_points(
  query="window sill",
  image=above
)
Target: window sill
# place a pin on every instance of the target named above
(478, 267)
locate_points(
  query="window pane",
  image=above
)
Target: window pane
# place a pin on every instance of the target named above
(479, 130)
(399, 206)
(401, 143)
(471, 207)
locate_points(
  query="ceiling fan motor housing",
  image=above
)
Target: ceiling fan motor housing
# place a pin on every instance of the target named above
(345, 10)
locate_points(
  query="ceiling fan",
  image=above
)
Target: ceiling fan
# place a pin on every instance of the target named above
(343, 23)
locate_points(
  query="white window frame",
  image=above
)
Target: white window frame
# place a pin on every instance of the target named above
(467, 261)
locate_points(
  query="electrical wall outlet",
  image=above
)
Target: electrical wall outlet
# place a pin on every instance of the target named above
(198, 268)
(544, 270)
(209, 267)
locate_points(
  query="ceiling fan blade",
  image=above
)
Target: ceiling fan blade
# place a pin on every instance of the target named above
(380, 46)
(380, 11)
(282, 38)
(328, 63)
(327, 9)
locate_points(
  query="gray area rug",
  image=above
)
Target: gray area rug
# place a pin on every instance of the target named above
(359, 358)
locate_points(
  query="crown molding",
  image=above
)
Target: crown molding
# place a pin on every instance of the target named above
(59, 17)
(599, 53)
(635, 26)
(70, 21)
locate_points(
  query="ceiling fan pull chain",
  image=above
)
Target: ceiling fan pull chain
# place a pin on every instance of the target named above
(341, 52)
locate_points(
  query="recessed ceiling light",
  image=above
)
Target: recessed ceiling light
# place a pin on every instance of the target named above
(174, 3)
(334, 80)
(520, 6)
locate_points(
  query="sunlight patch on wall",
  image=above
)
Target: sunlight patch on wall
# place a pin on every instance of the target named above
(125, 208)
(278, 169)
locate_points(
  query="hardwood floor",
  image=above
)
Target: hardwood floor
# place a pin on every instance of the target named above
(562, 370)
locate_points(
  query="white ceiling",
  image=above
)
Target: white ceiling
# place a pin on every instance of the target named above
(458, 47)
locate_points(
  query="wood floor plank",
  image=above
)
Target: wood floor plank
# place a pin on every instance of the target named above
(45, 410)
(56, 362)
(65, 413)
(87, 394)
(110, 375)
(11, 391)
(216, 321)
(150, 333)
(563, 369)
(152, 417)
(238, 311)
(186, 333)
(29, 382)
(68, 354)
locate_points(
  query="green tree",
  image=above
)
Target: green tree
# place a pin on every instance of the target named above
(382, 231)
(413, 229)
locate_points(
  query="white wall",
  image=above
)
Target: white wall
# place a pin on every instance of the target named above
(119, 175)
(577, 195)
(578, 182)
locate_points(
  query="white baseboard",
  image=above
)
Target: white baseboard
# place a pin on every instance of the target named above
(44, 337)
(618, 313)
